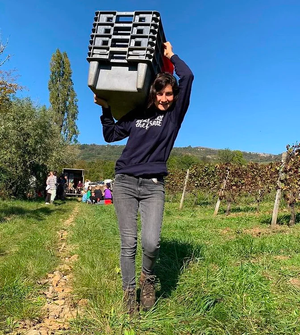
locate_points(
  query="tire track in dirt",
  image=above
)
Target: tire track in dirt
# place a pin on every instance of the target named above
(60, 305)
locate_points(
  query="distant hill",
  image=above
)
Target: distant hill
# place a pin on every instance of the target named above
(92, 152)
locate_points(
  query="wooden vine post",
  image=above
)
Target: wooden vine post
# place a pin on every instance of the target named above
(184, 188)
(221, 192)
(279, 190)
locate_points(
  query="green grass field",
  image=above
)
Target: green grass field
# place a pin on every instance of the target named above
(224, 275)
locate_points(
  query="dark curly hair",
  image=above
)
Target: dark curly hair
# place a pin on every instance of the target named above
(160, 82)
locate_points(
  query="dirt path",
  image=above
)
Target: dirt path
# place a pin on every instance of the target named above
(60, 307)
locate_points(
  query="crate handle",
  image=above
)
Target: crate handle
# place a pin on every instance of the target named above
(124, 18)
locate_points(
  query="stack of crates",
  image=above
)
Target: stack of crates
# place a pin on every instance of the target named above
(125, 54)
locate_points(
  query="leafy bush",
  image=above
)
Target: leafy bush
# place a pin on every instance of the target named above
(31, 144)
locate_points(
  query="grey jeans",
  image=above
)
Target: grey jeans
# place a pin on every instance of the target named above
(146, 195)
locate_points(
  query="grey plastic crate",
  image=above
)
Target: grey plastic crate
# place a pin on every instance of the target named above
(123, 86)
(125, 54)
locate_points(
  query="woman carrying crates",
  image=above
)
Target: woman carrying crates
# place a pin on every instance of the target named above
(140, 171)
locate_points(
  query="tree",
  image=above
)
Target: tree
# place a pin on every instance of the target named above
(227, 156)
(63, 98)
(8, 85)
(181, 161)
(2, 49)
(31, 145)
(97, 170)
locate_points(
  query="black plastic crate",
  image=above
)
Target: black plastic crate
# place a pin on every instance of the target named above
(140, 33)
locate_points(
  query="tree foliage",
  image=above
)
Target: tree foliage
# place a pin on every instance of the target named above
(2, 49)
(290, 181)
(182, 161)
(31, 144)
(62, 96)
(8, 85)
(97, 170)
(227, 156)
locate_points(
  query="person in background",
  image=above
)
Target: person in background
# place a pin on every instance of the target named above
(140, 171)
(51, 185)
(48, 192)
(88, 195)
(98, 194)
(86, 184)
(84, 196)
(107, 194)
(79, 186)
(65, 184)
(53, 191)
(60, 187)
(93, 198)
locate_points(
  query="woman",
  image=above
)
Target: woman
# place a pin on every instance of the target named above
(140, 171)
(51, 187)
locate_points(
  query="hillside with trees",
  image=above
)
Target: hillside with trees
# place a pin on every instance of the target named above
(92, 152)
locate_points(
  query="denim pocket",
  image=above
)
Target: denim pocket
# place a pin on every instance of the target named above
(161, 180)
(158, 181)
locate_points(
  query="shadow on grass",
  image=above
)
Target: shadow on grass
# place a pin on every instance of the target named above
(282, 219)
(204, 203)
(7, 213)
(174, 255)
(239, 209)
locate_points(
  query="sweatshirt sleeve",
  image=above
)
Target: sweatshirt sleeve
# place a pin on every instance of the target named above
(113, 131)
(186, 78)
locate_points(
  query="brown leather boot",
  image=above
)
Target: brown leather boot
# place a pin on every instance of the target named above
(147, 296)
(129, 301)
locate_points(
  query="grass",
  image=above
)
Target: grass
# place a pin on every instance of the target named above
(28, 242)
(224, 275)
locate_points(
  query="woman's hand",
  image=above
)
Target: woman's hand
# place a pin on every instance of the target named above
(168, 50)
(100, 102)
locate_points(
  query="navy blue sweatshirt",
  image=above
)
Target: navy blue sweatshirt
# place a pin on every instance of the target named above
(151, 132)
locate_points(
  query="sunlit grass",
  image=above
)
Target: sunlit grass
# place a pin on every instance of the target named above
(224, 275)
(28, 243)
(215, 275)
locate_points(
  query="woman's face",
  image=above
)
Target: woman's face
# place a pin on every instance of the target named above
(164, 98)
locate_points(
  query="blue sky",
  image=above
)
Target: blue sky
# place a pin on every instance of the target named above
(245, 55)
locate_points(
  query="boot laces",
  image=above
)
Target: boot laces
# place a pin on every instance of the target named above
(148, 287)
